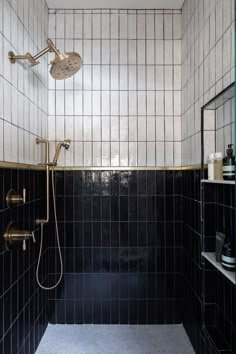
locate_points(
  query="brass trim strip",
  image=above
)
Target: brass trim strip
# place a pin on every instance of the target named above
(158, 168)
(87, 168)
(21, 166)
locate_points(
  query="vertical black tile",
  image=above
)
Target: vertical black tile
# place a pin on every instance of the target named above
(142, 182)
(124, 183)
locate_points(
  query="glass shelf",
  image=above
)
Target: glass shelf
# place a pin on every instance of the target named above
(211, 257)
(217, 181)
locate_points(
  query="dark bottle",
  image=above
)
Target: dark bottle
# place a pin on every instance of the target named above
(229, 164)
(228, 259)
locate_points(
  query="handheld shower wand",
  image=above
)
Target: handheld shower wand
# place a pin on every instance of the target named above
(66, 145)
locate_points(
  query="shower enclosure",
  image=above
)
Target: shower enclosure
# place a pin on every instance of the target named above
(119, 222)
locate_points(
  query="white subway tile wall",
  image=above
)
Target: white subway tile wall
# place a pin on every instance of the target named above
(124, 107)
(23, 90)
(225, 126)
(207, 68)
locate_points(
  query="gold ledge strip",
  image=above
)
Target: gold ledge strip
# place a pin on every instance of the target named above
(20, 166)
(158, 168)
(87, 168)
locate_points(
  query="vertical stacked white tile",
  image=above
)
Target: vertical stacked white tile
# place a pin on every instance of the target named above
(225, 126)
(207, 67)
(124, 107)
(23, 90)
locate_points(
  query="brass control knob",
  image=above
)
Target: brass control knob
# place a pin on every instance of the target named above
(13, 198)
(14, 234)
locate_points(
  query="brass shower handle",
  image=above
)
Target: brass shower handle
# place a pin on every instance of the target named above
(14, 234)
(13, 198)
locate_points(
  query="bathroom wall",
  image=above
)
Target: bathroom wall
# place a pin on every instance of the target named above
(218, 292)
(23, 304)
(207, 66)
(124, 107)
(23, 90)
(192, 268)
(225, 126)
(23, 117)
(121, 237)
(209, 297)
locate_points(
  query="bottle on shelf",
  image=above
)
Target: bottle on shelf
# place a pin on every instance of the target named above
(228, 259)
(218, 173)
(229, 164)
(211, 167)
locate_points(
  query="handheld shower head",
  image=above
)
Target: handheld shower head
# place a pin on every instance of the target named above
(66, 145)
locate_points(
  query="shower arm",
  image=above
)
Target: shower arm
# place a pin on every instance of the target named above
(46, 142)
(33, 59)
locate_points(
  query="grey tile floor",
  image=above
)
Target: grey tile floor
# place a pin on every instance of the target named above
(115, 339)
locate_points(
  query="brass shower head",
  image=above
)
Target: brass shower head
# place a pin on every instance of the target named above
(63, 66)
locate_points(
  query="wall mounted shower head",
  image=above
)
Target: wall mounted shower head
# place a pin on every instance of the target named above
(64, 65)
(66, 145)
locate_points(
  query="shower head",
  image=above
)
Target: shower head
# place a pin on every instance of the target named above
(65, 65)
(66, 145)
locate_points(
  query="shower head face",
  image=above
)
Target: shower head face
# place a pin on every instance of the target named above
(66, 144)
(65, 65)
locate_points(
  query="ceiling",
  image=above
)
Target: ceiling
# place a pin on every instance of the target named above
(115, 4)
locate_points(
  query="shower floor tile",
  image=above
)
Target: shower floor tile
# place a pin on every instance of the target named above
(112, 339)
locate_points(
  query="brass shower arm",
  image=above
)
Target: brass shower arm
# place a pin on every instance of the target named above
(33, 60)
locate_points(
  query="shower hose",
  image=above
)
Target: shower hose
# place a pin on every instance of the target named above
(58, 243)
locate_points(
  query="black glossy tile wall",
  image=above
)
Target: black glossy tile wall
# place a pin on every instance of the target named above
(121, 236)
(23, 317)
(219, 207)
(206, 318)
(219, 310)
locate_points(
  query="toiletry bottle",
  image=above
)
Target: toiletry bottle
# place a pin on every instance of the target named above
(211, 167)
(228, 259)
(218, 173)
(229, 164)
(220, 241)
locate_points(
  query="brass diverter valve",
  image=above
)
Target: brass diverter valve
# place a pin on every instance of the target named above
(13, 198)
(14, 234)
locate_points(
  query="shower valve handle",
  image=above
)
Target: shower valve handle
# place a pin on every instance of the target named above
(33, 237)
(24, 246)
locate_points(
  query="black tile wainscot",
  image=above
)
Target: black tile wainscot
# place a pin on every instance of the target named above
(209, 297)
(218, 292)
(23, 318)
(121, 237)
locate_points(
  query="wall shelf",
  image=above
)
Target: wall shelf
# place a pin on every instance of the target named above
(216, 181)
(210, 256)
